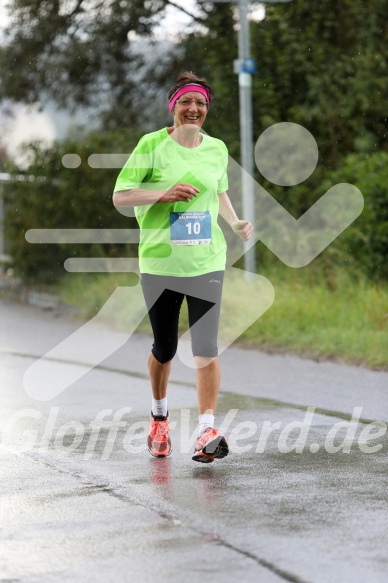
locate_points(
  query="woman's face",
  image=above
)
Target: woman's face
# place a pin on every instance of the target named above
(189, 112)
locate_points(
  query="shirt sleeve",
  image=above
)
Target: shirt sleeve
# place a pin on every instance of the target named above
(223, 180)
(137, 169)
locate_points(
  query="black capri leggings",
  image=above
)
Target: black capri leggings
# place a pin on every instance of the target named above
(164, 297)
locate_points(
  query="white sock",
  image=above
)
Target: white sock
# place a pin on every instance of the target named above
(159, 407)
(205, 420)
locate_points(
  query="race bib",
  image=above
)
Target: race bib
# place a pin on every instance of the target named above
(191, 228)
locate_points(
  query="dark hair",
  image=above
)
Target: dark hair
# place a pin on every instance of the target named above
(189, 77)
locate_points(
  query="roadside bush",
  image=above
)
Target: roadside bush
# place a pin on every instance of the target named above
(56, 197)
(366, 240)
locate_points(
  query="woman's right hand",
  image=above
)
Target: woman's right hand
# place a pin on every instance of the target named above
(181, 192)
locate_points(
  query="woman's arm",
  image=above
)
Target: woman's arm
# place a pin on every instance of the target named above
(242, 228)
(138, 197)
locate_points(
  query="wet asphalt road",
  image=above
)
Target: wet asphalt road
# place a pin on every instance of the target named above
(84, 501)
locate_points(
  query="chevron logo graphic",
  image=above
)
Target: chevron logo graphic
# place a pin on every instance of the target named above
(286, 154)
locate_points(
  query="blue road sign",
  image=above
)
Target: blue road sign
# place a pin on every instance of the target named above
(248, 66)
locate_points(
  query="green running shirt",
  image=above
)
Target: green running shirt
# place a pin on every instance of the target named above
(180, 239)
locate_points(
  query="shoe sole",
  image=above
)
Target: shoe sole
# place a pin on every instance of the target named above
(203, 458)
(216, 449)
(159, 454)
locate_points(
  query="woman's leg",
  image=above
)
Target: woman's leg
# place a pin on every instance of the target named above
(208, 383)
(163, 309)
(204, 317)
(205, 314)
(159, 374)
(164, 306)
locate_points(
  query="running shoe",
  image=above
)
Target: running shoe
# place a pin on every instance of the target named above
(210, 445)
(159, 442)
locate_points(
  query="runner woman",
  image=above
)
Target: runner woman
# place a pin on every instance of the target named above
(176, 178)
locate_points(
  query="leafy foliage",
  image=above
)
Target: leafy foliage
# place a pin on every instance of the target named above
(76, 53)
(366, 241)
(323, 65)
(60, 198)
(320, 64)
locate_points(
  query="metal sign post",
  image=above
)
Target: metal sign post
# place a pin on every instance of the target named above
(246, 129)
(244, 66)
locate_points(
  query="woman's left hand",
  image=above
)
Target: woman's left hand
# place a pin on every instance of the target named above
(243, 229)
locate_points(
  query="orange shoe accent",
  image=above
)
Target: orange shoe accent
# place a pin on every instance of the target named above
(159, 442)
(210, 445)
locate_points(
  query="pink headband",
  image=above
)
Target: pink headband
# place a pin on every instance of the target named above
(186, 89)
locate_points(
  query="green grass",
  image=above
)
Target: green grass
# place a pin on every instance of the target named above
(315, 313)
(337, 318)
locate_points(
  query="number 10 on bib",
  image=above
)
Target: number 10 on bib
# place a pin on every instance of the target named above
(190, 228)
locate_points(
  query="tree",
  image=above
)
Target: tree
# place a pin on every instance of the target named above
(320, 64)
(366, 241)
(77, 53)
(323, 65)
(209, 49)
(4, 158)
(58, 197)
